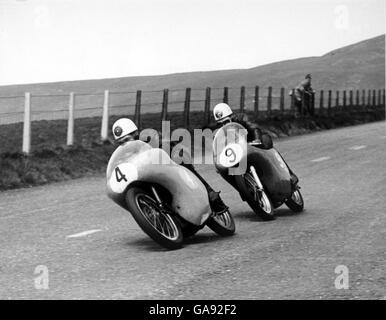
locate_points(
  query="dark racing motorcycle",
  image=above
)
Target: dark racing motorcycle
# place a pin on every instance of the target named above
(260, 175)
(167, 201)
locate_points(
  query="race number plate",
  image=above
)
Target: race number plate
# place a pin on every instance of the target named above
(231, 155)
(122, 176)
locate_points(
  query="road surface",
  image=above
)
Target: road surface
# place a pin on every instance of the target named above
(93, 249)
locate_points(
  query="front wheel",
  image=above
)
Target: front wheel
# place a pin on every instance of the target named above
(257, 199)
(296, 202)
(158, 224)
(222, 223)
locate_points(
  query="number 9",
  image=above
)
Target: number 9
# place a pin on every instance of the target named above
(229, 153)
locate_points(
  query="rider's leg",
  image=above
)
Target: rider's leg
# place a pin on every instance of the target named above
(215, 200)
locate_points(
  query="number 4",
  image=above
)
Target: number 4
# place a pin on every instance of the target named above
(119, 175)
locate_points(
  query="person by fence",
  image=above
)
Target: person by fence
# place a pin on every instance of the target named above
(304, 97)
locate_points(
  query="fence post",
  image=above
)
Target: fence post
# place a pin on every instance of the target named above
(105, 117)
(363, 99)
(187, 108)
(256, 104)
(351, 99)
(374, 99)
(269, 101)
(337, 100)
(344, 100)
(164, 114)
(379, 98)
(27, 124)
(242, 99)
(369, 98)
(137, 112)
(226, 97)
(321, 102)
(282, 101)
(383, 103)
(329, 102)
(207, 106)
(357, 99)
(70, 125)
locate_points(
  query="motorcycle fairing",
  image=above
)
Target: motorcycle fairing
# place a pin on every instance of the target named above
(272, 171)
(141, 162)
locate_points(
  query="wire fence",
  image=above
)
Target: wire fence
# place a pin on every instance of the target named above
(22, 111)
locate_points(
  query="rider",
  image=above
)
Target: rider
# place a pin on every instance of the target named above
(224, 114)
(125, 130)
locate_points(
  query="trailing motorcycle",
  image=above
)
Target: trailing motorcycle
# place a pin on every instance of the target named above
(167, 201)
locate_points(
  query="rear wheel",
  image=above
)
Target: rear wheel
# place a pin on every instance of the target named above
(257, 199)
(222, 223)
(296, 202)
(158, 224)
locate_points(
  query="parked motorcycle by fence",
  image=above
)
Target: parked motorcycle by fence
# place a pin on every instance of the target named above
(167, 201)
(260, 175)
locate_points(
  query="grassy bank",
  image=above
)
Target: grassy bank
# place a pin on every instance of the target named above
(50, 160)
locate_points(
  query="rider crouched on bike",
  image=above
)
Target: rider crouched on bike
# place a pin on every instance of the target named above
(125, 130)
(223, 114)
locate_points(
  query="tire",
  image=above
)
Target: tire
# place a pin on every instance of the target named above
(223, 224)
(296, 202)
(162, 227)
(263, 208)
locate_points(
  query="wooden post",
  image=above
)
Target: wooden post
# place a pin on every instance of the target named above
(282, 100)
(363, 98)
(256, 104)
(379, 103)
(357, 99)
(27, 124)
(321, 103)
(226, 97)
(269, 101)
(337, 100)
(383, 103)
(329, 101)
(374, 99)
(242, 99)
(369, 98)
(207, 106)
(351, 99)
(187, 108)
(137, 112)
(70, 125)
(164, 114)
(105, 117)
(344, 100)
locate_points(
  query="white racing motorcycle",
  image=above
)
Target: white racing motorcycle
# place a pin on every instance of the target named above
(260, 175)
(167, 201)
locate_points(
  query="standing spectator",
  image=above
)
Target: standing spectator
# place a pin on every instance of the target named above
(304, 95)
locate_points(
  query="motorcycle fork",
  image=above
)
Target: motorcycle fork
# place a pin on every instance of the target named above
(157, 197)
(258, 182)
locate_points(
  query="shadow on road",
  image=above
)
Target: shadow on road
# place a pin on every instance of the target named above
(148, 244)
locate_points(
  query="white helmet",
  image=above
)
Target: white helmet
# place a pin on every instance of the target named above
(123, 127)
(222, 111)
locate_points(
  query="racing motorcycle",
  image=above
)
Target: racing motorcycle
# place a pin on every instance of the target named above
(168, 201)
(260, 175)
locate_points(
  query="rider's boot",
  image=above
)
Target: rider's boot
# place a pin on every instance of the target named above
(216, 203)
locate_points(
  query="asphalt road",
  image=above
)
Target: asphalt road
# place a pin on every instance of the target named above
(343, 178)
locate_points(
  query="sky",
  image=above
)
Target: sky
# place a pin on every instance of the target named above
(58, 40)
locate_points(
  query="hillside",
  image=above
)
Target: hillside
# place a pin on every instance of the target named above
(358, 66)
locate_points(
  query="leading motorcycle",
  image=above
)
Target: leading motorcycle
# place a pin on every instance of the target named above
(168, 201)
(260, 175)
